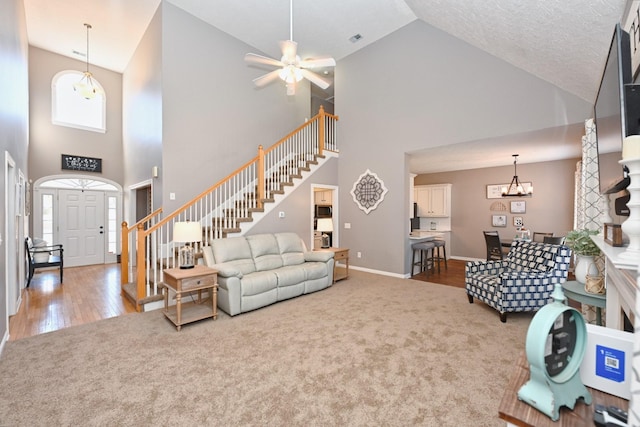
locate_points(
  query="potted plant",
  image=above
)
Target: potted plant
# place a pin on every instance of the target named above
(585, 250)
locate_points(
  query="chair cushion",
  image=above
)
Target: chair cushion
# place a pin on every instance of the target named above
(530, 256)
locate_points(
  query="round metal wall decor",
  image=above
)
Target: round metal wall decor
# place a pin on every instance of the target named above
(368, 191)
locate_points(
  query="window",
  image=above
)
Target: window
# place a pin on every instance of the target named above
(112, 225)
(47, 218)
(70, 109)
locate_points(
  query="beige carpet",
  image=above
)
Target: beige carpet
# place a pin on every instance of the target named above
(370, 350)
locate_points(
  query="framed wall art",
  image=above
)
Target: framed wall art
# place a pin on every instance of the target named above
(518, 221)
(368, 191)
(499, 220)
(518, 206)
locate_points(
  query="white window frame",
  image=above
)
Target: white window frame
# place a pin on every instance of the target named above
(100, 97)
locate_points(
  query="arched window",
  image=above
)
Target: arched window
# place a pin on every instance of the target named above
(69, 108)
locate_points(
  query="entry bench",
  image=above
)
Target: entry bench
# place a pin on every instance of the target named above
(43, 256)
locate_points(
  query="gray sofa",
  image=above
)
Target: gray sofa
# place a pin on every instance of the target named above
(255, 271)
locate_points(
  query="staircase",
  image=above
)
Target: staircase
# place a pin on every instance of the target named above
(227, 208)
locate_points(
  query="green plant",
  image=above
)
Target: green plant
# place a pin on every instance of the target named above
(580, 242)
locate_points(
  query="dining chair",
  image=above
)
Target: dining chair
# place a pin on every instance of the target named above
(494, 247)
(554, 240)
(539, 236)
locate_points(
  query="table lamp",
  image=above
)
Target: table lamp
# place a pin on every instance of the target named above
(187, 233)
(325, 225)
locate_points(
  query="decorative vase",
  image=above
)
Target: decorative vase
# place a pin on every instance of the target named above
(585, 265)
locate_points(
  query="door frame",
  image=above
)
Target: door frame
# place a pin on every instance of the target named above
(38, 190)
(335, 211)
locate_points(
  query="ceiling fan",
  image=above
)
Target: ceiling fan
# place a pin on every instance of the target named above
(292, 69)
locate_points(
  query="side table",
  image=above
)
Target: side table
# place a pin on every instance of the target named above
(190, 280)
(339, 254)
(575, 291)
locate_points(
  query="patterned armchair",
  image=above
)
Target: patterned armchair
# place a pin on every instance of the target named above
(522, 282)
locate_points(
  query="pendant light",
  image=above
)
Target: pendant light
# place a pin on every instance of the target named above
(516, 189)
(86, 87)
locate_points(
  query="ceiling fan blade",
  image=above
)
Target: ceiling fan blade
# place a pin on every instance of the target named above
(289, 49)
(318, 62)
(267, 78)
(315, 79)
(259, 59)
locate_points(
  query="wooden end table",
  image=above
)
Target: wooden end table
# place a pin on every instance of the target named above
(339, 254)
(196, 279)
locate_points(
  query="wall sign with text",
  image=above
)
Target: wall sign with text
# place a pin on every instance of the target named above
(79, 163)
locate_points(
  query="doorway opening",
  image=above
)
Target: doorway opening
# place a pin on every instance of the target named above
(324, 205)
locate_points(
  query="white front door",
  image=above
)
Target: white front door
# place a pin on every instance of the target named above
(82, 230)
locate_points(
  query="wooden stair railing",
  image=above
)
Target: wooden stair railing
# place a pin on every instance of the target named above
(127, 236)
(222, 207)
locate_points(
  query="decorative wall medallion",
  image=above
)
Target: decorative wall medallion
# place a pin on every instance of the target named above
(368, 191)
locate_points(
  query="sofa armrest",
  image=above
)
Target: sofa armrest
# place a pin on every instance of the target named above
(318, 256)
(226, 270)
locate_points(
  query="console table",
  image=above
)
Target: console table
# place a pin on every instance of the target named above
(518, 413)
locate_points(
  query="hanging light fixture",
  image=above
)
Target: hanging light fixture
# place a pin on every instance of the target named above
(86, 87)
(516, 189)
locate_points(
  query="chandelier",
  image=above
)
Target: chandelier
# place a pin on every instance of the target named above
(516, 189)
(86, 87)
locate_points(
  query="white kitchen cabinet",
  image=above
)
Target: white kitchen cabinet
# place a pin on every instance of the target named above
(323, 197)
(433, 200)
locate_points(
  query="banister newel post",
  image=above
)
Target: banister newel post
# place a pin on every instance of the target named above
(140, 266)
(261, 184)
(321, 126)
(124, 254)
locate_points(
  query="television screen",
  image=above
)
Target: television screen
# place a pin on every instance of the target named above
(610, 112)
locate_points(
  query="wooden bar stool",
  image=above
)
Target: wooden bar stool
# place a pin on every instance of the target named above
(423, 248)
(437, 244)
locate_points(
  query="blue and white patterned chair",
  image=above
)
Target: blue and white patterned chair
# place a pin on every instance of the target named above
(522, 282)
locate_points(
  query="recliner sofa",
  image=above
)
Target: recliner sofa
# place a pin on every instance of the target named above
(522, 282)
(259, 270)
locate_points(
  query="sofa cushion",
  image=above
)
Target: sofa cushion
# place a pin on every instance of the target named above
(235, 251)
(290, 275)
(258, 282)
(291, 248)
(265, 252)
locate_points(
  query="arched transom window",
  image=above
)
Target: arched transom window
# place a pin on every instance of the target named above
(69, 108)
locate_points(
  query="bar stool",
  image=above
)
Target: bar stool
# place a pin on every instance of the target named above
(437, 244)
(423, 248)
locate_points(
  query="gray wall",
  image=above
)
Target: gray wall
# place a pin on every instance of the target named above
(142, 113)
(48, 141)
(550, 209)
(214, 119)
(444, 92)
(14, 128)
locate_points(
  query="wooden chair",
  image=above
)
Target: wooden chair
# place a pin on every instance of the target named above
(539, 236)
(554, 240)
(494, 246)
(54, 259)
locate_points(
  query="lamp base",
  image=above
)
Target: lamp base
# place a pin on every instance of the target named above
(184, 267)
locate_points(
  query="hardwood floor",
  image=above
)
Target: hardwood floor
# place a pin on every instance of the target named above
(88, 294)
(93, 293)
(452, 276)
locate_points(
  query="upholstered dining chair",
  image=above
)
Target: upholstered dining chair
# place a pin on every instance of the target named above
(494, 246)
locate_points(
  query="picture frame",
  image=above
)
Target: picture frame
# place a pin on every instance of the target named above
(499, 220)
(518, 221)
(518, 206)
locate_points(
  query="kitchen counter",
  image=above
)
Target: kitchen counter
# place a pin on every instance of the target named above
(421, 235)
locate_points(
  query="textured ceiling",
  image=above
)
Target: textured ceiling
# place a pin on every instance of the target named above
(564, 42)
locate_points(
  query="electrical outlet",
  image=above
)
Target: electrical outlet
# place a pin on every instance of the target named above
(281, 214)
(359, 254)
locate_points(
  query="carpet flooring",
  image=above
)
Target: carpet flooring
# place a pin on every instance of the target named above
(370, 350)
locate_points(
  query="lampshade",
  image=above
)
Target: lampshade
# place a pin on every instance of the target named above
(187, 232)
(325, 224)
